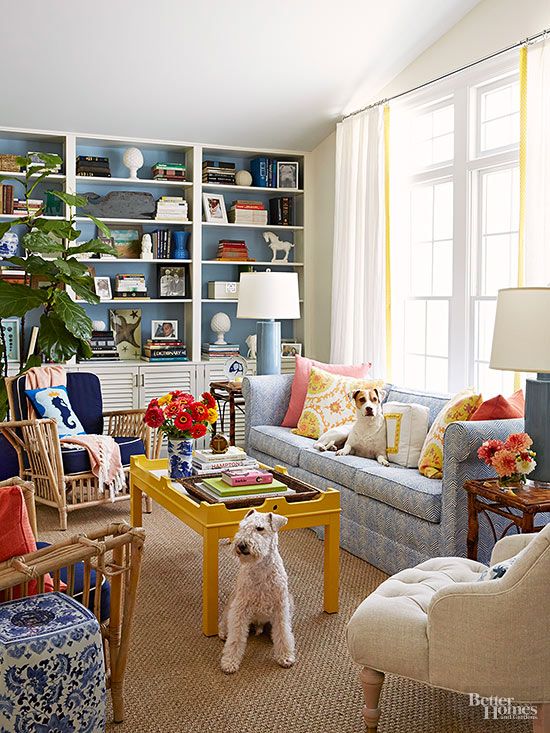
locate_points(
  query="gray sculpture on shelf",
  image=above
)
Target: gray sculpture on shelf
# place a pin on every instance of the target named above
(121, 205)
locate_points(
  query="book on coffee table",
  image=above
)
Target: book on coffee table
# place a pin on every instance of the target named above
(220, 488)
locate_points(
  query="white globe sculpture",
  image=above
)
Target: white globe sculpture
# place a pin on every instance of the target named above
(99, 325)
(220, 324)
(243, 178)
(133, 160)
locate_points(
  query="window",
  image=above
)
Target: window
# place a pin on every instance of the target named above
(455, 213)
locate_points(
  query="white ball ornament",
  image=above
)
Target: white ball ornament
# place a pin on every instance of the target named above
(133, 160)
(99, 325)
(220, 324)
(243, 178)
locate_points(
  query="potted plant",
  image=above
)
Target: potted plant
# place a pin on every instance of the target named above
(51, 253)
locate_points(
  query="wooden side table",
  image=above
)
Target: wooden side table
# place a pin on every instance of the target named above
(518, 506)
(228, 394)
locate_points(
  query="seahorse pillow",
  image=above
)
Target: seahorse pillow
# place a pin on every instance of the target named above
(460, 407)
(53, 402)
(328, 403)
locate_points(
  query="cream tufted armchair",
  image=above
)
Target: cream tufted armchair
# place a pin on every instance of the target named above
(437, 624)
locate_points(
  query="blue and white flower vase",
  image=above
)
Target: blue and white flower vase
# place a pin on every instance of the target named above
(8, 245)
(180, 454)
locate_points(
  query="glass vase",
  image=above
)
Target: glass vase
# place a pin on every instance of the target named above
(515, 481)
(180, 454)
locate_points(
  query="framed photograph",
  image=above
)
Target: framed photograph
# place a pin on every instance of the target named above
(290, 349)
(102, 287)
(126, 324)
(164, 330)
(10, 328)
(127, 240)
(287, 174)
(214, 208)
(172, 282)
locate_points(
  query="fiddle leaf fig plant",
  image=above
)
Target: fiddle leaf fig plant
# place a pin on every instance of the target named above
(51, 253)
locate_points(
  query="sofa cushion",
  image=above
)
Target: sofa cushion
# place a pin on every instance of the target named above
(435, 402)
(281, 443)
(75, 459)
(340, 469)
(402, 488)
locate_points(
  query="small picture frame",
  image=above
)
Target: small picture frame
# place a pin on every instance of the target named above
(291, 349)
(127, 241)
(102, 286)
(214, 208)
(288, 174)
(165, 330)
(172, 282)
(11, 329)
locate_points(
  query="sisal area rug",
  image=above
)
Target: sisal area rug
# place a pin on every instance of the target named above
(174, 683)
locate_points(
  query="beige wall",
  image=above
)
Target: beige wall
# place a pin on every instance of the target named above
(489, 27)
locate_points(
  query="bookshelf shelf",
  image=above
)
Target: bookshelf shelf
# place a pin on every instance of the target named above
(129, 301)
(20, 216)
(252, 226)
(156, 222)
(21, 176)
(253, 189)
(103, 181)
(131, 260)
(267, 263)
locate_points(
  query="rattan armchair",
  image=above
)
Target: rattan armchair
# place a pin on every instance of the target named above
(112, 554)
(62, 478)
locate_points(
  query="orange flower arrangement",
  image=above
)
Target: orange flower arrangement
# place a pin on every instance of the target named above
(180, 416)
(512, 459)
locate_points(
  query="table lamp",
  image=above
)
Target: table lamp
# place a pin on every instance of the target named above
(267, 296)
(521, 343)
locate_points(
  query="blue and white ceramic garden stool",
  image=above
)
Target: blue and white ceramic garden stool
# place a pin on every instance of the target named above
(52, 670)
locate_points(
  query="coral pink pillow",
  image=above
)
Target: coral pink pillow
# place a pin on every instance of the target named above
(500, 408)
(301, 380)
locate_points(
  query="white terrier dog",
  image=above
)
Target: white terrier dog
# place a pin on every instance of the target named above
(261, 592)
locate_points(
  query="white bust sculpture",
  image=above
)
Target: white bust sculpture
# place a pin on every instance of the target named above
(146, 247)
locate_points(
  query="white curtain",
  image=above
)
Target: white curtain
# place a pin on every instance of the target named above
(537, 168)
(358, 289)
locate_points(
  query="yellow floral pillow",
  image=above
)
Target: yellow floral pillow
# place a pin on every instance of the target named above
(328, 404)
(460, 407)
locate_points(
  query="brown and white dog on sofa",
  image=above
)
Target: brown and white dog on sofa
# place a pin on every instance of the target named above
(365, 437)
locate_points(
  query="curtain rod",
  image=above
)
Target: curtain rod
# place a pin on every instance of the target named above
(525, 42)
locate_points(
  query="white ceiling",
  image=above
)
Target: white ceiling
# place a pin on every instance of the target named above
(257, 73)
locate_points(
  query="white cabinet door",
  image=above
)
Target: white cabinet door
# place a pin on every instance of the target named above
(154, 381)
(118, 384)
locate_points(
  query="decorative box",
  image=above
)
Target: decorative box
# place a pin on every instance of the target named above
(52, 668)
(8, 163)
(223, 289)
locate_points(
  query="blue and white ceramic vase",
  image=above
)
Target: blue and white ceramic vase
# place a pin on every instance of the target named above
(180, 453)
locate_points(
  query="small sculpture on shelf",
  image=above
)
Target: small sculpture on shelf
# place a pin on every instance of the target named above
(277, 245)
(220, 325)
(243, 178)
(146, 247)
(133, 160)
(251, 343)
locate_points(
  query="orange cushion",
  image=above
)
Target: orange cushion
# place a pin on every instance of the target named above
(500, 408)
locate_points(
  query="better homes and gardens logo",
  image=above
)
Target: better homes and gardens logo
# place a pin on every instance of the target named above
(502, 708)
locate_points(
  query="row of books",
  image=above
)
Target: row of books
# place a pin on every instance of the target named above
(130, 286)
(264, 172)
(93, 166)
(218, 172)
(6, 198)
(205, 461)
(103, 346)
(168, 172)
(30, 206)
(247, 212)
(213, 352)
(172, 208)
(159, 351)
(281, 211)
(234, 250)
(162, 244)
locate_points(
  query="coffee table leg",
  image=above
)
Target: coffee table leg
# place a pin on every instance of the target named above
(136, 497)
(332, 564)
(210, 583)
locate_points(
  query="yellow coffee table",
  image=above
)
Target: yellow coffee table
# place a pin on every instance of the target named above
(215, 522)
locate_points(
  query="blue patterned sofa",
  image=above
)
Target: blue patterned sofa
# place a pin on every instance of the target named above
(393, 518)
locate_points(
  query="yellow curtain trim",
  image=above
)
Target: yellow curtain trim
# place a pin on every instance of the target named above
(522, 160)
(387, 238)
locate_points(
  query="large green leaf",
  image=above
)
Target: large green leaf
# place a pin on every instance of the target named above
(94, 246)
(71, 199)
(84, 350)
(16, 300)
(49, 161)
(71, 267)
(83, 287)
(99, 224)
(5, 226)
(35, 265)
(55, 341)
(62, 229)
(73, 315)
(42, 243)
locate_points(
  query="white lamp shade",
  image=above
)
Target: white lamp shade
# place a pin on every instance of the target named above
(520, 337)
(266, 295)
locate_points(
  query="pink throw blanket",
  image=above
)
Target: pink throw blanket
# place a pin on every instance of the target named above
(103, 451)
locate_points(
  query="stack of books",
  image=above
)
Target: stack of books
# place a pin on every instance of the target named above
(171, 208)
(234, 250)
(205, 461)
(214, 171)
(264, 172)
(130, 286)
(162, 247)
(281, 211)
(31, 206)
(157, 351)
(248, 212)
(94, 166)
(219, 352)
(168, 172)
(6, 198)
(12, 276)
(103, 346)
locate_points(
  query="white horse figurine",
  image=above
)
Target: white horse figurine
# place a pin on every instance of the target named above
(276, 244)
(251, 343)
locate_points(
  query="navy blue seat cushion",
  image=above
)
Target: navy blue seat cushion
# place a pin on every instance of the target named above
(105, 601)
(75, 458)
(9, 465)
(84, 390)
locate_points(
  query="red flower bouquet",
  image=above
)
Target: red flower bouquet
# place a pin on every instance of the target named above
(180, 416)
(512, 459)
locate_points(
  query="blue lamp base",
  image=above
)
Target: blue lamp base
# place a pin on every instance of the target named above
(268, 347)
(537, 424)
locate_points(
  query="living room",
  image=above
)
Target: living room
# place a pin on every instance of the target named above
(302, 481)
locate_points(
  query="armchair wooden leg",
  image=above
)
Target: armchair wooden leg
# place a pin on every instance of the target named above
(148, 504)
(542, 722)
(371, 681)
(63, 517)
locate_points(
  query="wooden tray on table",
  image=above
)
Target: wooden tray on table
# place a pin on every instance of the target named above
(303, 491)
